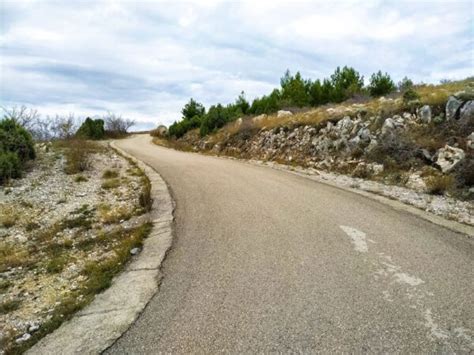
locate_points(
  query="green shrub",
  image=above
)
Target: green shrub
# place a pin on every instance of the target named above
(381, 84)
(10, 166)
(15, 138)
(16, 148)
(91, 129)
(410, 95)
(110, 174)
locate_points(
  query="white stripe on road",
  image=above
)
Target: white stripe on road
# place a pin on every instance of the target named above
(358, 238)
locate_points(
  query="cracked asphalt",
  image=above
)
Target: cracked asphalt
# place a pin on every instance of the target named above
(267, 261)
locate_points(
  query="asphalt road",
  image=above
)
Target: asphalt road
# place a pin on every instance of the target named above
(267, 261)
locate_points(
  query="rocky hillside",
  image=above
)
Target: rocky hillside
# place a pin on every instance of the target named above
(426, 144)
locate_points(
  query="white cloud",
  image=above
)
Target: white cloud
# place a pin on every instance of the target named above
(145, 59)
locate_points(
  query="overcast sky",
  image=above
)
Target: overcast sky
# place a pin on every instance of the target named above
(145, 59)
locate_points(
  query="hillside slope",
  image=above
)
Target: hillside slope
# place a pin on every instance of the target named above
(426, 145)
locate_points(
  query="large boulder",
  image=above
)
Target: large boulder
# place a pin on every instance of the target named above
(465, 95)
(259, 118)
(345, 125)
(424, 113)
(470, 141)
(466, 113)
(449, 157)
(452, 107)
(283, 113)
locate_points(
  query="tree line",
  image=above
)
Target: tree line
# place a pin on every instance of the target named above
(21, 127)
(294, 91)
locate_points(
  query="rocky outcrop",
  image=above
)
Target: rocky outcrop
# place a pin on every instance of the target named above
(425, 114)
(402, 148)
(449, 158)
(283, 113)
(460, 106)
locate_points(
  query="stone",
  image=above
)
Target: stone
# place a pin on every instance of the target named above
(425, 114)
(377, 168)
(23, 338)
(452, 107)
(465, 95)
(20, 238)
(239, 121)
(33, 327)
(416, 182)
(135, 251)
(345, 125)
(364, 134)
(283, 113)
(466, 113)
(449, 157)
(388, 125)
(259, 118)
(426, 155)
(470, 141)
(407, 116)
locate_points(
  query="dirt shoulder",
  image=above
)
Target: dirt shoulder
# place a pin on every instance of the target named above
(66, 228)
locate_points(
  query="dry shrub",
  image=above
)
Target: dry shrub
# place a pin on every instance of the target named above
(78, 152)
(439, 184)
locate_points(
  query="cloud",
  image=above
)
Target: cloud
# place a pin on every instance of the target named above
(146, 59)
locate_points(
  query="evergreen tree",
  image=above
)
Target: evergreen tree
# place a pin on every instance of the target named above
(381, 84)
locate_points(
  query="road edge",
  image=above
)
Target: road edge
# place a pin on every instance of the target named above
(396, 204)
(97, 326)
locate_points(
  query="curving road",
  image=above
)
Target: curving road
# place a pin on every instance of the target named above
(267, 261)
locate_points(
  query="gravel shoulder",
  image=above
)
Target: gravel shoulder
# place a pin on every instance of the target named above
(63, 236)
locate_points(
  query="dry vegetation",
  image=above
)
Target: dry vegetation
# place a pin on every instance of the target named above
(67, 228)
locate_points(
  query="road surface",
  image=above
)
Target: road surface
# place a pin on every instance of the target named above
(267, 261)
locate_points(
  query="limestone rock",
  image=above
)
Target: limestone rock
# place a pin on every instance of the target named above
(466, 112)
(259, 118)
(452, 107)
(425, 114)
(283, 113)
(470, 141)
(449, 157)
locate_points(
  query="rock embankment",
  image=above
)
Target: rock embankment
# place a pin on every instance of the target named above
(426, 149)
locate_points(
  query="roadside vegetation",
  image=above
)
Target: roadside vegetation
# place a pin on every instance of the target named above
(71, 211)
(416, 135)
(295, 93)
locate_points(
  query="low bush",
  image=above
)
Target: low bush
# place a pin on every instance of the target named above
(110, 184)
(10, 166)
(439, 184)
(91, 129)
(77, 153)
(16, 148)
(9, 306)
(110, 174)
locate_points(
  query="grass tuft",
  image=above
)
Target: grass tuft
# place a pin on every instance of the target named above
(8, 306)
(110, 174)
(111, 184)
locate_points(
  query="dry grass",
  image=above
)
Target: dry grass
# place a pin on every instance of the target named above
(439, 184)
(78, 152)
(111, 184)
(434, 95)
(109, 215)
(80, 178)
(110, 174)
(12, 256)
(9, 306)
(8, 216)
(99, 277)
